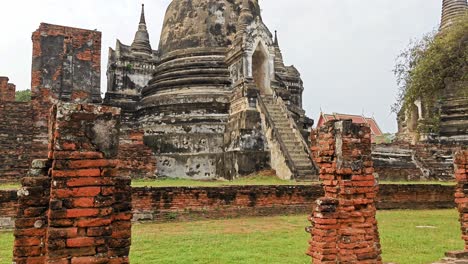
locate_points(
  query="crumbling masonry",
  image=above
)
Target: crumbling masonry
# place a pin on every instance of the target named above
(344, 228)
(461, 194)
(74, 207)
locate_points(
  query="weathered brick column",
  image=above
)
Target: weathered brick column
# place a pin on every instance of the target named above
(344, 228)
(7, 90)
(461, 193)
(86, 218)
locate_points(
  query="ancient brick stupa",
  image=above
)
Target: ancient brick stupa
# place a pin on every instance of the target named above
(453, 105)
(215, 100)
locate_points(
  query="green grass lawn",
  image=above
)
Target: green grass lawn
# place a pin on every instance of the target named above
(255, 180)
(408, 237)
(9, 186)
(446, 183)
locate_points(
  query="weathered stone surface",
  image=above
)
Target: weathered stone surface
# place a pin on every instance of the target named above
(198, 112)
(452, 10)
(419, 162)
(202, 24)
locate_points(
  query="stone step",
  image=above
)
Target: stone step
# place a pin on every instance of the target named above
(453, 117)
(278, 116)
(303, 164)
(285, 131)
(299, 155)
(289, 138)
(461, 123)
(274, 111)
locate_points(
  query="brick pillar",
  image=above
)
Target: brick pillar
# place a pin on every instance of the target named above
(461, 193)
(88, 210)
(31, 220)
(344, 228)
(66, 66)
(7, 90)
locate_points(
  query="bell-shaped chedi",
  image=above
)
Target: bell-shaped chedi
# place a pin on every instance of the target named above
(451, 11)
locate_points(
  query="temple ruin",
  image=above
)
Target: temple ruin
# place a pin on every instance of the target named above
(454, 100)
(215, 100)
(419, 155)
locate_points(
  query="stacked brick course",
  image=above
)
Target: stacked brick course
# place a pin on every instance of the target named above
(74, 207)
(16, 134)
(461, 199)
(187, 203)
(7, 90)
(66, 66)
(344, 228)
(461, 193)
(136, 159)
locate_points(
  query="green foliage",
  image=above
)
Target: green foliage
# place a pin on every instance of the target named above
(385, 138)
(254, 180)
(23, 96)
(424, 67)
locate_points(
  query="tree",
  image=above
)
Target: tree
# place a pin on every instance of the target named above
(23, 96)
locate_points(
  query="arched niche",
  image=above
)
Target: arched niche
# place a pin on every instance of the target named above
(413, 118)
(261, 69)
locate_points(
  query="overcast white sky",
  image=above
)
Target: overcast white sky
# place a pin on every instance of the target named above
(345, 49)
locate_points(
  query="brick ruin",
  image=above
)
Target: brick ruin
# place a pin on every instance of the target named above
(428, 156)
(461, 194)
(65, 67)
(461, 200)
(74, 207)
(453, 99)
(7, 90)
(214, 101)
(197, 107)
(344, 227)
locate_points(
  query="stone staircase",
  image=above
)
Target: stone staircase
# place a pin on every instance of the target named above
(454, 119)
(437, 161)
(293, 147)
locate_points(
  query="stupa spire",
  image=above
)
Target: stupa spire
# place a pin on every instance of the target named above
(276, 38)
(141, 42)
(451, 11)
(142, 16)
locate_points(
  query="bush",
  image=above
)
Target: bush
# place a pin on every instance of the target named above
(23, 96)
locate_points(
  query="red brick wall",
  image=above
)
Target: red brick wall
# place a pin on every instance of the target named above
(16, 132)
(67, 61)
(344, 227)
(7, 90)
(66, 65)
(74, 207)
(137, 159)
(461, 194)
(185, 203)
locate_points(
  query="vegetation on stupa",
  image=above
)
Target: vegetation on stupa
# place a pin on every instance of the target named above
(423, 69)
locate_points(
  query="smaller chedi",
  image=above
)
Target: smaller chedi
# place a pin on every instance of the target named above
(440, 115)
